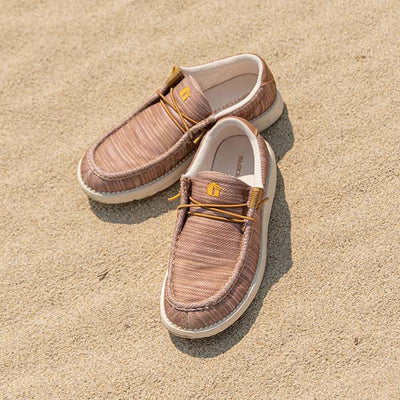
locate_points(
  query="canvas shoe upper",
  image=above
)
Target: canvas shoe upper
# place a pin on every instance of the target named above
(150, 149)
(219, 246)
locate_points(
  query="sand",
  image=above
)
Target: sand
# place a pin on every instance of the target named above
(80, 281)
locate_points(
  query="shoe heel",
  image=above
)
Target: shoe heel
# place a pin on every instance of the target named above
(270, 116)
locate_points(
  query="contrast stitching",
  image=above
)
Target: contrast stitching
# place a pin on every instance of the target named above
(227, 316)
(130, 174)
(228, 287)
(138, 187)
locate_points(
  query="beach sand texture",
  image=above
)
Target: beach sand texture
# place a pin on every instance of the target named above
(80, 281)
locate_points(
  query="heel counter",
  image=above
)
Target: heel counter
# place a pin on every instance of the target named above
(268, 86)
(263, 98)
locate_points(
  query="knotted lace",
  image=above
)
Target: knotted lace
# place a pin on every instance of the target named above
(228, 216)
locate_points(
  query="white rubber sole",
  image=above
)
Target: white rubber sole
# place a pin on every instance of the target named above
(269, 117)
(262, 122)
(255, 284)
(141, 192)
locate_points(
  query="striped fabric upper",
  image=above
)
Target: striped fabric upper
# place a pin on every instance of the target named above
(199, 254)
(150, 133)
(212, 262)
(148, 145)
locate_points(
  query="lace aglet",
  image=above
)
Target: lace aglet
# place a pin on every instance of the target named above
(175, 197)
(262, 202)
(198, 138)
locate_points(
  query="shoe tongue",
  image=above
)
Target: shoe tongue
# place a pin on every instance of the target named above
(190, 99)
(219, 188)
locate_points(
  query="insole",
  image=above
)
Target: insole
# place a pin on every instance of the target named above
(230, 92)
(234, 157)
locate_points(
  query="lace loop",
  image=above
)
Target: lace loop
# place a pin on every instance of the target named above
(228, 216)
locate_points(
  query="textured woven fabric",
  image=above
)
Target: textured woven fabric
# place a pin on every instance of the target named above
(201, 265)
(148, 144)
(263, 98)
(212, 262)
(150, 133)
(145, 137)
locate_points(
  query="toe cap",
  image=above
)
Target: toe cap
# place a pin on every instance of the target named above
(90, 179)
(192, 320)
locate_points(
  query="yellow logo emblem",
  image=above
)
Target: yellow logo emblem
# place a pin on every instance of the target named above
(213, 189)
(185, 93)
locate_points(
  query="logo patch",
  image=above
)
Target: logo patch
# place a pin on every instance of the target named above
(213, 189)
(239, 166)
(185, 93)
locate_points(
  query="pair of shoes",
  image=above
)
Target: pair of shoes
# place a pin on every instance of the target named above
(198, 122)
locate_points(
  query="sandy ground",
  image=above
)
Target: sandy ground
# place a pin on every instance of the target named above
(80, 282)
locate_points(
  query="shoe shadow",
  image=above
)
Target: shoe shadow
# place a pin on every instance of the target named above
(279, 255)
(136, 212)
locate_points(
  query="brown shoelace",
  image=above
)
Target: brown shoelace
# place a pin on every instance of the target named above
(166, 104)
(228, 216)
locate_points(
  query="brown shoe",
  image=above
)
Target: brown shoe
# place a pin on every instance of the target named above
(153, 147)
(219, 247)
